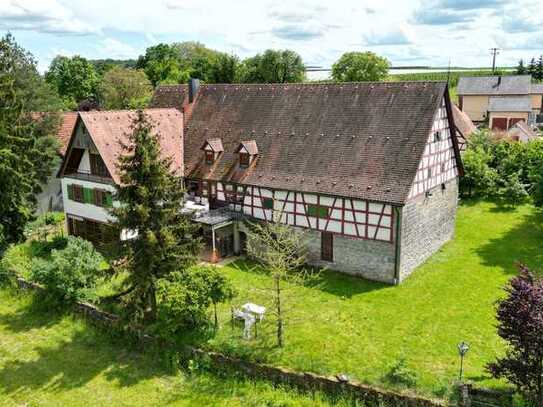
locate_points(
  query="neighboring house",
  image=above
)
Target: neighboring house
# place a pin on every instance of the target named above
(50, 199)
(522, 132)
(464, 127)
(89, 174)
(369, 170)
(501, 100)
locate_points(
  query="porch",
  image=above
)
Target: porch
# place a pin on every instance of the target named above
(222, 238)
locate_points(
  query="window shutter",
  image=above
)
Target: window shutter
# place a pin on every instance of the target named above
(97, 199)
(88, 196)
(71, 192)
(108, 199)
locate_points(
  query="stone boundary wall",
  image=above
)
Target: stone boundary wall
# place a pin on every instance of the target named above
(332, 385)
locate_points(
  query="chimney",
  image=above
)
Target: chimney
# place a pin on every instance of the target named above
(194, 85)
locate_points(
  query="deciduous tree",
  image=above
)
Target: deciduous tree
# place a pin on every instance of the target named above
(74, 78)
(282, 253)
(360, 66)
(274, 66)
(123, 88)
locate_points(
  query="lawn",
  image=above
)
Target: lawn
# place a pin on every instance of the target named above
(361, 328)
(47, 359)
(342, 324)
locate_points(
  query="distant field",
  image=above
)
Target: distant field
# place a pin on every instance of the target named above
(453, 77)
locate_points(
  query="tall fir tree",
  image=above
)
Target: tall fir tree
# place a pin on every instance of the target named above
(521, 69)
(27, 150)
(532, 67)
(150, 199)
(538, 74)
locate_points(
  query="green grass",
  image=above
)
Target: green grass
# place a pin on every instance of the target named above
(361, 328)
(51, 360)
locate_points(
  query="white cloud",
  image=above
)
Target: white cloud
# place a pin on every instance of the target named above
(418, 31)
(46, 16)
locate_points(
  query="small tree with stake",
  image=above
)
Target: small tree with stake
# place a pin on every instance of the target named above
(520, 317)
(281, 251)
(151, 196)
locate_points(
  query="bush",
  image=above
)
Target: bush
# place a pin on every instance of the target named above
(184, 298)
(400, 374)
(182, 304)
(71, 273)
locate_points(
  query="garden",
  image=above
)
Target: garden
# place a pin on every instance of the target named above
(402, 337)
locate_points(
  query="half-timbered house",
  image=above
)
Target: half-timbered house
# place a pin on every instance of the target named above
(89, 173)
(368, 170)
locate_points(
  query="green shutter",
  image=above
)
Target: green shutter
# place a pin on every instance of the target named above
(267, 203)
(71, 192)
(323, 212)
(317, 211)
(88, 195)
(108, 199)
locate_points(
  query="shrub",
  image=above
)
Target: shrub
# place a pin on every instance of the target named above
(182, 304)
(185, 297)
(71, 273)
(399, 373)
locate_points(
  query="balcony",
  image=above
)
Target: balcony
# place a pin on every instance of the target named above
(88, 176)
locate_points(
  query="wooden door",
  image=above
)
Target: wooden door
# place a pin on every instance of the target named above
(327, 246)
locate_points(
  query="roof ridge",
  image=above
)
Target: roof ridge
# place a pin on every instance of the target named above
(127, 110)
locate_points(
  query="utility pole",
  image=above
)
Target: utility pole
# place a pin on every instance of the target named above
(494, 52)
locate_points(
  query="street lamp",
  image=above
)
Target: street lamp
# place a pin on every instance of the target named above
(463, 348)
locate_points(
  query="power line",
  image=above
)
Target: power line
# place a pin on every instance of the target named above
(494, 52)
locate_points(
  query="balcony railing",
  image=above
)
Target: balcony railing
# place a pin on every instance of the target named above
(87, 176)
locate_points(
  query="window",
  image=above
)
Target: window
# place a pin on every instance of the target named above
(75, 193)
(97, 166)
(437, 136)
(429, 173)
(267, 203)
(442, 167)
(317, 211)
(92, 196)
(103, 198)
(244, 160)
(73, 160)
(210, 157)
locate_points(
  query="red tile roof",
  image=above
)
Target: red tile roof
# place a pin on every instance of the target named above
(249, 145)
(363, 140)
(215, 144)
(108, 128)
(65, 130)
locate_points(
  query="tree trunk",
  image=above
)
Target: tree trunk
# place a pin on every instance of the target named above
(279, 316)
(150, 304)
(215, 311)
(540, 385)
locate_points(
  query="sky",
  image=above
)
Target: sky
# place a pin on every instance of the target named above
(407, 32)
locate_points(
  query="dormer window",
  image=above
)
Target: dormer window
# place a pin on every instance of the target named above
(244, 160)
(210, 157)
(247, 152)
(212, 148)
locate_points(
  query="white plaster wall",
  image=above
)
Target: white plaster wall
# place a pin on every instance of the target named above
(86, 210)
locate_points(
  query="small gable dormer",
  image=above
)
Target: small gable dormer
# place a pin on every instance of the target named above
(247, 151)
(212, 148)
